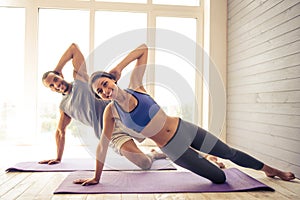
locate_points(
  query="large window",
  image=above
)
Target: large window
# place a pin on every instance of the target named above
(12, 34)
(105, 30)
(118, 23)
(58, 29)
(178, 64)
(125, 1)
(43, 30)
(178, 2)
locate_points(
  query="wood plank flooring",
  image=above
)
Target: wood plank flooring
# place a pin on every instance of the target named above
(41, 185)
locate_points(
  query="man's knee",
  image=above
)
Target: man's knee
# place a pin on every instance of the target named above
(145, 163)
(135, 155)
(139, 159)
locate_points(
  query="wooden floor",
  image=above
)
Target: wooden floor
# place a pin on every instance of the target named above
(41, 185)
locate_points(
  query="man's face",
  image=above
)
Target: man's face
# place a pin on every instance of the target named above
(56, 83)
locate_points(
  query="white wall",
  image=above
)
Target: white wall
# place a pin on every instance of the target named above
(215, 42)
(263, 80)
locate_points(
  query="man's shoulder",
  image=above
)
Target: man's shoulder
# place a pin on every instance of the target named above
(78, 81)
(79, 85)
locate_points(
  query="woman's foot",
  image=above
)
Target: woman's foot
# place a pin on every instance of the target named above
(272, 172)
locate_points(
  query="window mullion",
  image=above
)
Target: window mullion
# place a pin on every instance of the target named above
(151, 23)
(31, 68)
(90, 60)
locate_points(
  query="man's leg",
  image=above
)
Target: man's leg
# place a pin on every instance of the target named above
(130, 150)
(124, 145)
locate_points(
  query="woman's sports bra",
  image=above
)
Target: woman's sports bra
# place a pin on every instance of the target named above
(142, 114)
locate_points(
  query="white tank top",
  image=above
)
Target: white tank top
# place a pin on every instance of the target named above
(81, 105)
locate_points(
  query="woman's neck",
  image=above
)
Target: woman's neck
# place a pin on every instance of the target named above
(126, 100)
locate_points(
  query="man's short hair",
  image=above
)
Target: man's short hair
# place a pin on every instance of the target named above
(45, 75)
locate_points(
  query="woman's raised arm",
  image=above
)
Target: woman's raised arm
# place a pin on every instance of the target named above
(141, 55)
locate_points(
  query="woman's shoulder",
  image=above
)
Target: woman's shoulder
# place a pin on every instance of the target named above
(109, 105)
(140, 89)
(111, 109)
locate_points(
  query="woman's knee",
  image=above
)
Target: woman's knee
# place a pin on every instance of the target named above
(219, 177)
(192, 161)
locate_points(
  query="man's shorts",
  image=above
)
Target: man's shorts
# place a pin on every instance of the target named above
(121, 135)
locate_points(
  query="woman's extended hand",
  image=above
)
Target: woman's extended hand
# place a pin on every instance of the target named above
(86, 182)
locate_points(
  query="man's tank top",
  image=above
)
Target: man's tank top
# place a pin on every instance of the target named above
(81, 105)
(142, 114)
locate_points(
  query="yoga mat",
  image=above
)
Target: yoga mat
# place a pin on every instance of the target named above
(113, 162)
(158, 182)
(68, 165)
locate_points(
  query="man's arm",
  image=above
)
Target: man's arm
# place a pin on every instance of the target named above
(60, 138)
(74, 53)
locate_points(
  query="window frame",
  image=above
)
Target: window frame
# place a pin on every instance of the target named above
(31, 80)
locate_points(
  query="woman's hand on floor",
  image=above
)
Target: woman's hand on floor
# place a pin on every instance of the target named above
(50, 162)
(86, 182)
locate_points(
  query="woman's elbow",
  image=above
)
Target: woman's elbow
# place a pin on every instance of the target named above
(143, 46)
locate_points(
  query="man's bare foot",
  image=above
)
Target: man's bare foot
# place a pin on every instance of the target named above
(271, 172)
(156, 155)
(214, 159)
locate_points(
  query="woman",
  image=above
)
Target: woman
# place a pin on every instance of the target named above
(176, 137)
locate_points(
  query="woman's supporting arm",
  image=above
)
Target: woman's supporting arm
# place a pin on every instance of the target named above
(108, 126)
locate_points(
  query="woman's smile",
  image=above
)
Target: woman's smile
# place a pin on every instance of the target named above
(109, 94)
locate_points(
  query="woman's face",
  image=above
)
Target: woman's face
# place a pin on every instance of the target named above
(105, 88)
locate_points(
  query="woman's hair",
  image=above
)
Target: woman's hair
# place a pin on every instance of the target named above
(97, 75)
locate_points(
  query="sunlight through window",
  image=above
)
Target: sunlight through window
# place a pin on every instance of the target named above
(186, 27)
(12, 36)
(58, 29)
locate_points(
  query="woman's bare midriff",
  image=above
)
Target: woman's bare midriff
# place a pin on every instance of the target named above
(161, 128)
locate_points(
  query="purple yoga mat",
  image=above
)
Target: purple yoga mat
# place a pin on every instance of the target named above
(68, 165)
(159, 182)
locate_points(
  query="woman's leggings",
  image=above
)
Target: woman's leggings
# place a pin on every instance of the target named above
(201, 140)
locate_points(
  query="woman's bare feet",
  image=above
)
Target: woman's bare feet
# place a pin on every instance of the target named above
(272, 172)
(156, 155)
(214, 159)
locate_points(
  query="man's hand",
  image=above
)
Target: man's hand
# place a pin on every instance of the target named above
(86, 182)
(60, 73)
(50, 162)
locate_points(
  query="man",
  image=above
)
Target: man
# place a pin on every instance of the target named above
(79, 104)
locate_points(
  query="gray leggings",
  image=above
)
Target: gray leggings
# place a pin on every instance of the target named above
(188, 138)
